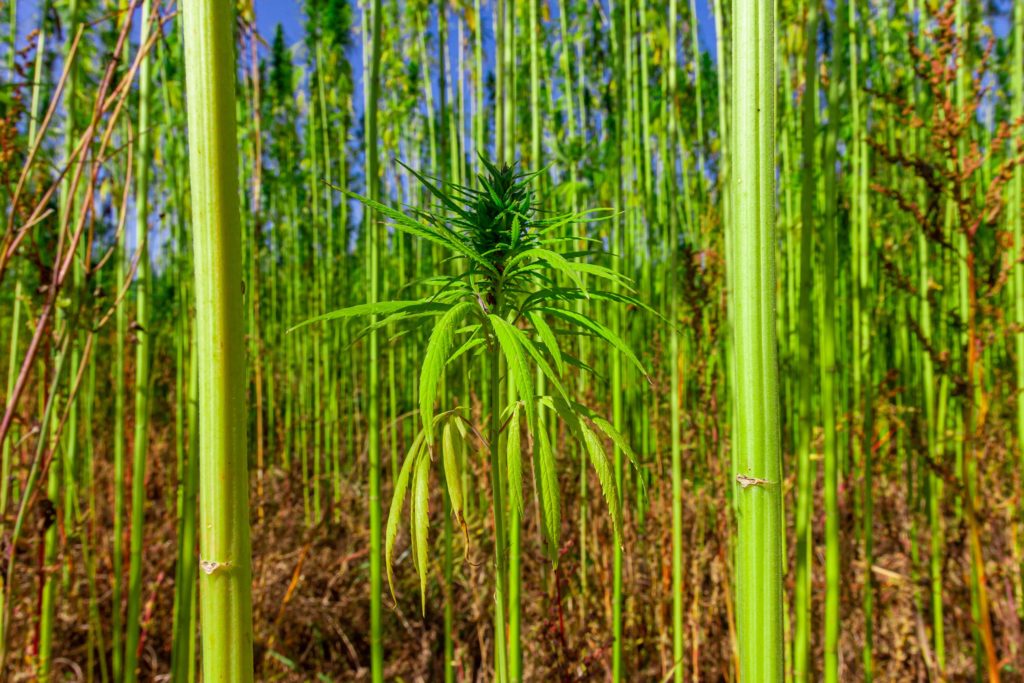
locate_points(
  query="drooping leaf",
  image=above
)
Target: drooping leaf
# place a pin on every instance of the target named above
(577, 363)
(605, 475)
(605, 274)
(451, 445)
(618, 439)
(434, 361)
(439, 236)
(417, 313)
(600, 330)
(553, 259)
(380, 308)
(569, 294)
(545, 476)
(514, 457)
(542, 363)
(517, 366)
(435, 190)
(467, 346)
(395, 513)
(548, 337)
(566, 412)
(420, 521)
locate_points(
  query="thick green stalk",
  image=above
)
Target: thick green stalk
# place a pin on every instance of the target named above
(698, 96)
(1016, 219)
(63, 454)
(449, 136)
(804, 474)
(373, 381)
(316, 417)
(514, 585)
(12, 374)
(120, 384)
(863, 323)
(186, 386)
(48, 598)
(494, 441)
(675, 368)
(515, 649)
(621, 51)
(182, 659)
(934, 414)
(827, 362)
(508, 649)
(142, 359)
(225, 556)
(94, 640)
(570, 132)
(759, 548)
(118, 378)
(71, 193)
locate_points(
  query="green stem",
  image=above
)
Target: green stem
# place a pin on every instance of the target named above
(226, 580)
(759, 467)
(142, 359)
(182, 663)
(804, 486)
(827, 363)
(494, 440)
(675, 360)
(1016, 219)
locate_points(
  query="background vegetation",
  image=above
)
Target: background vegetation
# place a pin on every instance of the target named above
(825, 410)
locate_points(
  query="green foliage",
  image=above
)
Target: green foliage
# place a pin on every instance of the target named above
(514, 273)
(282, 70)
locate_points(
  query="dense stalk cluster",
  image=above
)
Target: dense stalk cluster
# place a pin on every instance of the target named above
(715, 372)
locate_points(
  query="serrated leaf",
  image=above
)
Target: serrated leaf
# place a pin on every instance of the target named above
(435, 190)
(545, 475)
(542, 363)
(605, 475)
(617, 438)
(420, 521)
(380, 308)
(577, 363)
(600, 330)
(605, 274)
(434, 361)
(514, 458)
(548, 337)
(451, 444)
(423, 309)
(570, 294)
(466, 347)
(441, 237)
(517, 366)
(566, 412)
(553, 259)
(395, 512)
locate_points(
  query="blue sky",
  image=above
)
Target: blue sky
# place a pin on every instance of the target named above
(289, 14)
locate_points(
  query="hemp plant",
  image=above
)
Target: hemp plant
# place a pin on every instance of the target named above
(511, 299)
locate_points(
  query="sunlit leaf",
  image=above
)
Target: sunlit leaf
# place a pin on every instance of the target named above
(545, 475)
(420, 521)
(518, 368)
(395, 513)
(514, 459)
(605, 475)
(434, 361)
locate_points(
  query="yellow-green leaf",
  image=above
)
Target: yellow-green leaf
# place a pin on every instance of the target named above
(420, 521)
